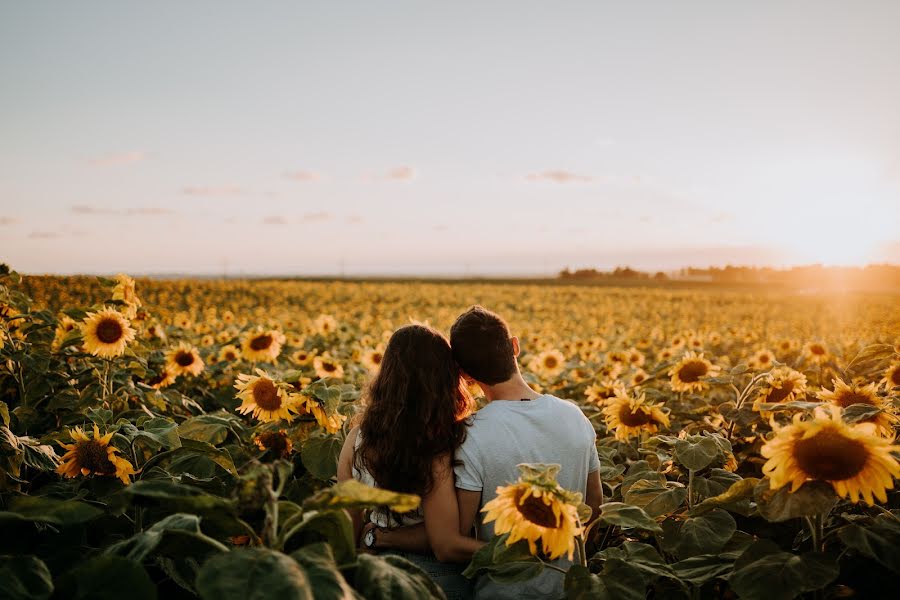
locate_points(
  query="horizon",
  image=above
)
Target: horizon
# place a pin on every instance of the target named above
(512, 137)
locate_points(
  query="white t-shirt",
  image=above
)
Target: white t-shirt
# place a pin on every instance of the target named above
(506, 433)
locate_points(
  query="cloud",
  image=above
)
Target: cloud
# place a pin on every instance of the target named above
(114, 160)
(144, 211)
(557, 176)
(400, 173)
(8, 220)
(355, 219)
(44, 235)
(303, 175)
(213, 190)
(274, 220)
(316, 216)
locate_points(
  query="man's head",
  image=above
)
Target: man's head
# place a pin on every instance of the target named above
(483, 347)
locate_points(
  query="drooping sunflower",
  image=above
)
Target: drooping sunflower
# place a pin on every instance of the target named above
(891, 377)
(262, 346)
(853, 459)
(124, 291)
(106, 333)
(689, 373)
(64, 325)
(537, 509)
(276, 441)
(95, 455)
(845, 395)
(629, 416)
(815, 353)
(331, 421)
(548, 363)
(265, 399)
(781, 384)
(326, 366)
(163, 379)
(184, 359)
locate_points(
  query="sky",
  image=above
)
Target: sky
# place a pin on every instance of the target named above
(489, 137)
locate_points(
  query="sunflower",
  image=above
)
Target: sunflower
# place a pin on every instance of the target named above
(548, 363)
(629, 416)
(781, 384)
(64, 325)
(372, 358)
(845, 395)
(276, 441)
(184, 359)
(124, 292)
(854, 460)
(330, 421)
(635, 357)
(815, 353)
(303, 357)
(163, 379)
(891, 377)
(182, 320)
(262, 346)
(106, 333)
(264, 398)
(229, 353)
(326, 366)
(93, 455)
(600, 393)
(155, 331)
(536, 508)
(761, 361)
(325, 325)
(688, 374)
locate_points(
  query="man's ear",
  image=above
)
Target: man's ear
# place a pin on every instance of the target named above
(515, 345)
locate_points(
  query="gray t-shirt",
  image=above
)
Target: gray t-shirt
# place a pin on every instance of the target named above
(506, 433)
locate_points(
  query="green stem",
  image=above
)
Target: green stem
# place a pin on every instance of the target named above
(554, 567)
(690, 494)
(582, 553)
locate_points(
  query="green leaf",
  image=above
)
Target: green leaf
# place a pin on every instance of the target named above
(50, 510)
(878, 541)
(656, 499)
(617, 581)
(332, 526)
(813, 498)
(705, 534)
(25, 578)
(504, 563)
(253, 574)
(389, 577)
(354, 494)
(714, 483)
(323, 574)
(643, 557)
(640, 470)
(175, 535)
(624, 515)
(211, 428)
(107, 577)
(739, 492)
(783, 576)
(856, 413)
(696, 454)
(218, 514)
(320, 456)
(697, 570)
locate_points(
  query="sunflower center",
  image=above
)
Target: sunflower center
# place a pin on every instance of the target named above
(779, 394)
(329, 367)
(692, 371)
(266, 395)
(764, 358)
(109, 331)
(94, 456)
(830, 456)
(184, 359)
(550, 362)
(817, 349)
(261, 342)
(376, 358)
(536, 511)
(229, 355)
(634, 418)
(895, 376)
(850, 398)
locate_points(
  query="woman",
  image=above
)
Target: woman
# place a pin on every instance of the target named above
(413, 422)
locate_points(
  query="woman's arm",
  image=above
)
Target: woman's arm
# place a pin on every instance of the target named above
(442, 522)
(345, 472)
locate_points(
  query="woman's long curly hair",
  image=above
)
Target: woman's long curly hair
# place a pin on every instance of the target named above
(415, 411)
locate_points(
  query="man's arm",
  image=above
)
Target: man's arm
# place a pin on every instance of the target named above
(469, 503)
(594, 493)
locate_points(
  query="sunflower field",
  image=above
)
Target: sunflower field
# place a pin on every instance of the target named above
(179, 439)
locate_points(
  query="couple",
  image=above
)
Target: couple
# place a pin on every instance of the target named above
(417, 435)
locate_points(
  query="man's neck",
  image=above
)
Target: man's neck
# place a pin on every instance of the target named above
(513, 388)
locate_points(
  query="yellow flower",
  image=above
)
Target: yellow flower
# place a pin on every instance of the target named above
(303, 357)
(330, 421)
(124, 291)
(325, 325)
(184, 359)
(781, 384)
(549, 363)
(276, 441)
(262, 346)
(93, 455)
(229, 353)
(629, 416)
(372, 358)
(856, 462)
(65, 324)
(326, 366)
(891, 377)
(536, 509)
(264, 399)
(761, 361)
(815, 353)
(689, 374)
(106, 333)
(845, 395)
(600, 393)
(165, 378)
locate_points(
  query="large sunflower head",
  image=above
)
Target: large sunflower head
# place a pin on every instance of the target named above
(845, 395)
(536, 508)
(690, 373)
(853, 459)
(262, 346)
(106, 333)
(264, 398)
(93, 455)
(124, 291)
(781, 384)
(629, 416)
(184, 359)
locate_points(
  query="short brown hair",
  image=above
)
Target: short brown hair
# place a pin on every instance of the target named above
(482, 346)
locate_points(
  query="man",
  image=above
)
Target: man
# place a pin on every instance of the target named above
(518, 425)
